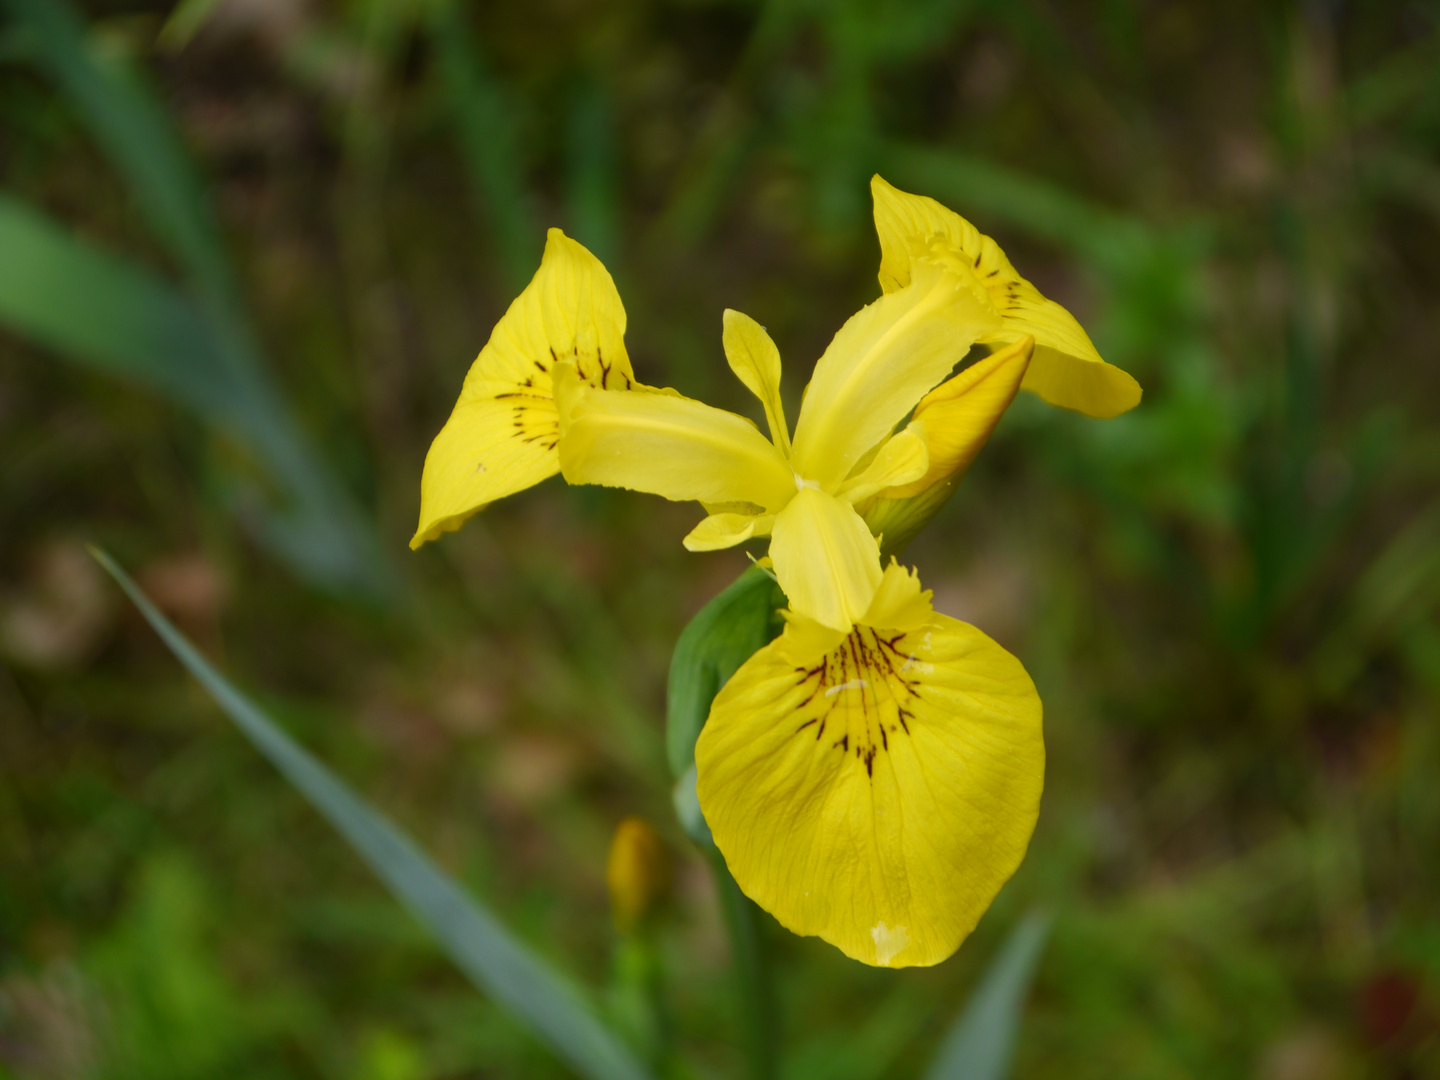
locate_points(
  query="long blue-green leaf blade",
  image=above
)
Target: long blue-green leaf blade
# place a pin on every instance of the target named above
(480, 946)
(486, 132)
(65, 293)
(982, 1041)
(135, 134)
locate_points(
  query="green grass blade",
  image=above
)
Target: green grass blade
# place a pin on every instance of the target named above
(982, 190)
(71, 296)
(479, 945)
(135, 134)
(118, 317)
(486, 132)
(981, 1042)
(592, 184)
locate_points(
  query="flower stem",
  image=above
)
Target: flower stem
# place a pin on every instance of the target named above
(752, 974)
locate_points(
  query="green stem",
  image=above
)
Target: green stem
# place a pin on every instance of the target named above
(752, 974)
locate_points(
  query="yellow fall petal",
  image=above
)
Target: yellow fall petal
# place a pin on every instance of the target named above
(826, 561)
(878, 366)
(756, 362)
(726, 530)
(670, 446)
(879, 792)
(501, 436)
(1066, 369)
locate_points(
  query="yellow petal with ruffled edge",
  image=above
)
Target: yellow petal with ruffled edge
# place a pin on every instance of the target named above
(501, 436)
(957, 419)
(878, 366)
(826, 561)
(1066, 370)
(756, 362)
(668, 445)
(875, 789)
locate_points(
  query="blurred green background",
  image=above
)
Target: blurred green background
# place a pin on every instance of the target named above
(248, 249)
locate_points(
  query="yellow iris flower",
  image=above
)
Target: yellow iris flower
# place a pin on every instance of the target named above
(875, 788)
(873, 775)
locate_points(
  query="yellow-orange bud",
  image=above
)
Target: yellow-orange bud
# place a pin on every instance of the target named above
(638, 872)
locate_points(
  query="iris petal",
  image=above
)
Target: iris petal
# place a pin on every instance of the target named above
(1067, 370)
(878, 366)
(670, 446)
(501, 436)
(756, 362)
(876, 793)
(825, 559)
(726, 530)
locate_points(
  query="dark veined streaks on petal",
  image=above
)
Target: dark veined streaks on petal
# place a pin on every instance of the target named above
(860, 693)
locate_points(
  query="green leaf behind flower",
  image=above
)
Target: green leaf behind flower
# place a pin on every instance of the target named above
(471, 936)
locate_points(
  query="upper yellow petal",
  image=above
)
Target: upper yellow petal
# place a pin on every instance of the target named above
(671, 446)
(501, 436)
(826, 561)
(878, 366)
(1066, 370)
(879, 791)
(756, 362)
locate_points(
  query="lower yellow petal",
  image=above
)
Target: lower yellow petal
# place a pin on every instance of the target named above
(726, 530)
(879, 794)
(488, 449)
(826, 561)
(903, 458)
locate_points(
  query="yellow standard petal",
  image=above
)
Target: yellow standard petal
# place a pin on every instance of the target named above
(670, 446)
(501, 437)
(875, 789)
(957, 419)
(882, 361)
(825, 559)
(1066, 370)
(756, 362)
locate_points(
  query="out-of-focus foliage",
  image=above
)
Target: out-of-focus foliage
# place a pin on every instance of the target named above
(1228, 598)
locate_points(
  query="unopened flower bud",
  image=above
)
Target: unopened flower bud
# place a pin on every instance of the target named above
(638, 872)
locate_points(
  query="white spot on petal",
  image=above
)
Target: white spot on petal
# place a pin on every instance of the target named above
(890, 942)
(853, 684)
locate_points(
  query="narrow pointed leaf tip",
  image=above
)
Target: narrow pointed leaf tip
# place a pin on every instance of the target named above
(1066, 370)
(875, 787)
(981, 1043)
(478, 944)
